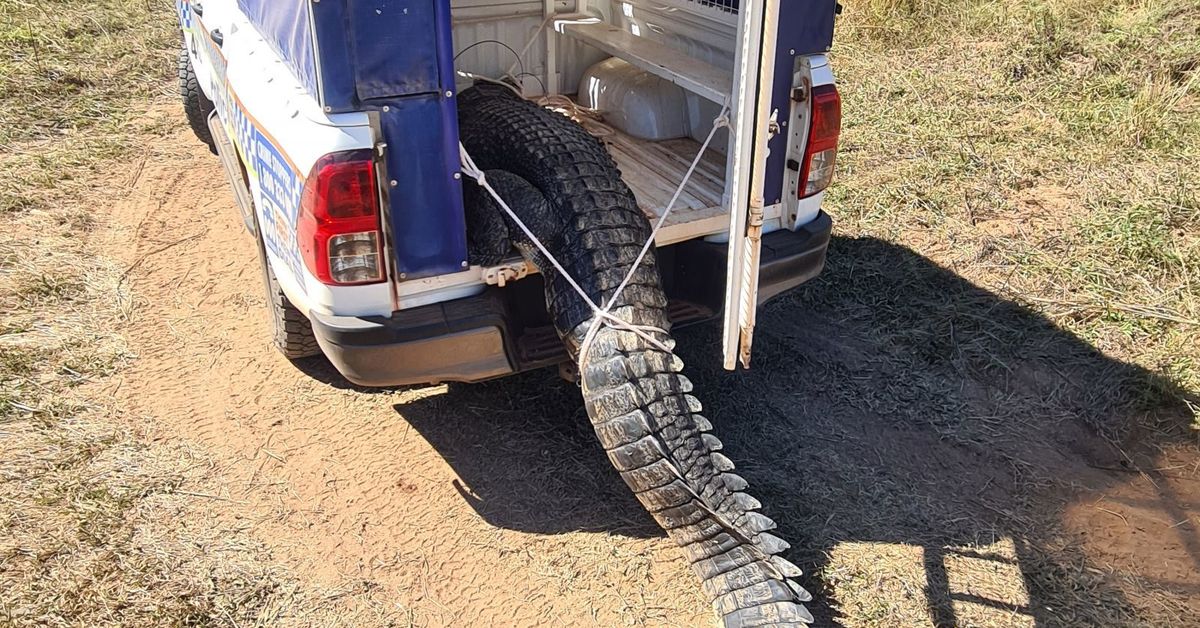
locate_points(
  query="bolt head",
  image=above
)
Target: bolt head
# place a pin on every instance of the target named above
(449, 94)
(393, 183)
(457, 175)
(386, 108)
(465, 264)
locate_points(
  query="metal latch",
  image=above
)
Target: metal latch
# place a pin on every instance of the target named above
(501, 275)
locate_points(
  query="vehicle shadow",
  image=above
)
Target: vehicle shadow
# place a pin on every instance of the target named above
(895, 412)
(527, 456)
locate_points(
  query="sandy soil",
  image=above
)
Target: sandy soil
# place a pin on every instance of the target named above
(917, 481)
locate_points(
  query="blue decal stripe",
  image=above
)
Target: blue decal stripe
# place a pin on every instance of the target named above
(280, 183)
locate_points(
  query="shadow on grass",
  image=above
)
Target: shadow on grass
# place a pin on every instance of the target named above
(891, 402)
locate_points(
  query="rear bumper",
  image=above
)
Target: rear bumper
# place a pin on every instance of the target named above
(694, 271)
(457, 341)
(501, 332)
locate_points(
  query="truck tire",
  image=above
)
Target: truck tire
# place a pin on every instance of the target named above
(196, 106)
(568, 190)
(291, 330)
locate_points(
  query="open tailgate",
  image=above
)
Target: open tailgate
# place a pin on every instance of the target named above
(750, 115)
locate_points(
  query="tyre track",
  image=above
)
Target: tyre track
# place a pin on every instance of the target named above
(333, 479)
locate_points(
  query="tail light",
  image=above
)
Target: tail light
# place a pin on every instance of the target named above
(338, 230)
(819, 157)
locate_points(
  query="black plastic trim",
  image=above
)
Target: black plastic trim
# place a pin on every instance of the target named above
(476, 338)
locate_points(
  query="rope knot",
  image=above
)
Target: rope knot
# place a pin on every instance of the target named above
(469, 168)
(478, 176)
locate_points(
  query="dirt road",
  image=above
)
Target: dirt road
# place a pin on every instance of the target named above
(930, 450)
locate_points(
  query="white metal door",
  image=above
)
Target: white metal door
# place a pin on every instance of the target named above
(755, 72)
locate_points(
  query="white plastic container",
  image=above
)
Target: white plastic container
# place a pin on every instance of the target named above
(635, 101)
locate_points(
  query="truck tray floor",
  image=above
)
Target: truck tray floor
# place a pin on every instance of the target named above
(653, 171)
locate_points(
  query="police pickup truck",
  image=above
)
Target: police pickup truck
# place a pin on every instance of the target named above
(460, 190)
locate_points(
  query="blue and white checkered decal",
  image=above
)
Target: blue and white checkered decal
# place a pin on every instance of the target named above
(184, 9)
(278, 187)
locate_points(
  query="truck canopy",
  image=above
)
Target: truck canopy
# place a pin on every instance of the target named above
(396, 58)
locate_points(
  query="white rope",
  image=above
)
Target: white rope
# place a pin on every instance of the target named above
(722, 120)
(473, 171)
(486, 79)
(590, 119)
(604, 317)
(553, 17)
(603, 314)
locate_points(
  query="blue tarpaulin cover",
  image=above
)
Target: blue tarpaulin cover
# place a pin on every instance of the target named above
(372, 55)
(345, 52)
(286, 25)
(354, 55)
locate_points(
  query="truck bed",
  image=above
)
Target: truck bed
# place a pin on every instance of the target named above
(653, 171)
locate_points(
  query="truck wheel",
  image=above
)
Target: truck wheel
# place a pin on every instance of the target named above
(566, 187)
(196, 106)
(290, 329)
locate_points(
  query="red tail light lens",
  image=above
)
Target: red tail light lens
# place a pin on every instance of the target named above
(821, 154)
(338, 230)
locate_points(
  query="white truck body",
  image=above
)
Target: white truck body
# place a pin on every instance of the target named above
(279, 129)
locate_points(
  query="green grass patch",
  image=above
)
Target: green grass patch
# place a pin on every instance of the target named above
(75, 80)
(70, 66)
(1044, 150)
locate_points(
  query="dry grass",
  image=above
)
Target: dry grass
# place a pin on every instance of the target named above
(98, 526)
(1045, 150)
(75, 80)
(1034, 153)
(98, 530)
